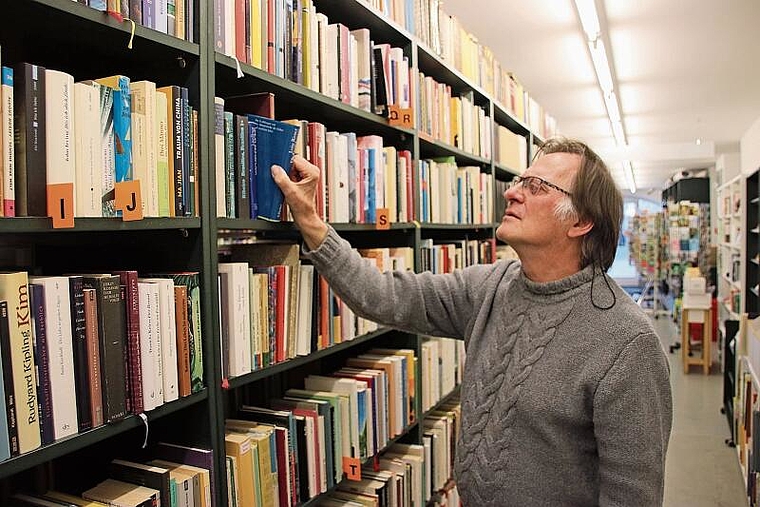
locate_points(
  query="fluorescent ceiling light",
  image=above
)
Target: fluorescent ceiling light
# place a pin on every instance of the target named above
(613, 108)
(629, 179)
(589, 18)
(601, 65)
(618, 132)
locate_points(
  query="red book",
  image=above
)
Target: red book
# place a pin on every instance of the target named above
(317, 157)
(134, 372)
(240, 42)
(280, 313)
(270, 36)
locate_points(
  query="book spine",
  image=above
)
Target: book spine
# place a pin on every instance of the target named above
(183, 343)
(93, 356)
(149, 13)
(196, 167)
(242, 194)
(42, 359)
(252, 187)
(229, 165)
(8, 191)
(79, 336)
(29, 140)
(122, 128)
(134, 386)
(187, 191)
(9, 422)
(136, 11)
(178, 149)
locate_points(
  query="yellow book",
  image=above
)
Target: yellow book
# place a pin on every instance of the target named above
(306, 42)
(269, 486)
(238, 446)
(256, 33)
(411, 367)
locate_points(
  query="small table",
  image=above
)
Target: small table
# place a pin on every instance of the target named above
(696, 314)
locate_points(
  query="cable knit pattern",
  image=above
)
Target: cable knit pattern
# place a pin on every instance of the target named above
(563, 404)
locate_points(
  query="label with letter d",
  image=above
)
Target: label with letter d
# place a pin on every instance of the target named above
(383, 219)
(353, 468)
(60, 204)
(129, 200)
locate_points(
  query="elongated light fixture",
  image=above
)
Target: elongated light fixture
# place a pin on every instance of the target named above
(629, 179)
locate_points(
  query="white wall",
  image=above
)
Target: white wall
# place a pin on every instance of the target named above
(750, 149)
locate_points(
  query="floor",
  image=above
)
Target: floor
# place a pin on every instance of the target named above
(701, 471)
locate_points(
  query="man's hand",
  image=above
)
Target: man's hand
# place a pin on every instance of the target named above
(301, 197)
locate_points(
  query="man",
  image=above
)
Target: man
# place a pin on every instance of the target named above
(566, 396)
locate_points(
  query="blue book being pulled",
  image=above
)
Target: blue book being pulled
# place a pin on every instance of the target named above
(272, 143)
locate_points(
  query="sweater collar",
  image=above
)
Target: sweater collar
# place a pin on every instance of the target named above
(558, 286)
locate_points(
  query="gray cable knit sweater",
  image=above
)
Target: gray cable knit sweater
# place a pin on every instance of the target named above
(563, 404)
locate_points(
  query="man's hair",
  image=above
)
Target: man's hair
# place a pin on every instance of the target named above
(595, 198)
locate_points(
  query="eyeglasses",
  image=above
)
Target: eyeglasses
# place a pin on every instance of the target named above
(536, 185)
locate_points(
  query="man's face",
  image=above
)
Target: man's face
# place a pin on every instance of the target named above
(529, 219)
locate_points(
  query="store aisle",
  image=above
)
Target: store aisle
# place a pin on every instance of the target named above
(701, 471)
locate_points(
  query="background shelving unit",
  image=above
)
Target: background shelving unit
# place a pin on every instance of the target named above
(94, 44)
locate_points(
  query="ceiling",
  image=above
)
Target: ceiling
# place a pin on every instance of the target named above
(685, 70)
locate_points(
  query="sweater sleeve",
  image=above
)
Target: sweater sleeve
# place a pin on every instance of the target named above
(424, 303)
(632, 421)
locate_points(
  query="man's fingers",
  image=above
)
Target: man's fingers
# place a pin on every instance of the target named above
(280, 177)
(304, 168)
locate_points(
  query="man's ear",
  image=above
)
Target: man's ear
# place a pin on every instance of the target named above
(580, 228)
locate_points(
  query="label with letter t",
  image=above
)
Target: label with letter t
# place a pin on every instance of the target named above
(353, 468)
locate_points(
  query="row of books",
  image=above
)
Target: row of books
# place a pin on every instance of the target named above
(80, 351)
(451, 255)
(277, 308)
(290, 39)
(746, 425)
(83, 138)
(358, 173)
(178, 476)
(307, 440)
(409, 475)
(450, 194)
(441, 368)
(454, 120)
(172, 17)
(510, 149)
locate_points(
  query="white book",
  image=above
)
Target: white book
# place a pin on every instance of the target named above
(305, 303)
(339, 182)
(322, 462)
(349, 387)
(219, 157)
(332, 62)
(59, 129)
(161, 16)
(145, 143)
(229, 27)
(60, 351)
(330, 174)
(353, 57)
(237, 314)
(88, 149)
(7, 166)
(313, 46)
(403, 212)
(363, 59)
(168, 336)
(149, 350)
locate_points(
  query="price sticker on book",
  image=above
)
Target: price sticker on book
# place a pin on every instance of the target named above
(129, 200)
(60, 204)
(353, 468)
(401, 117)
(383, 219)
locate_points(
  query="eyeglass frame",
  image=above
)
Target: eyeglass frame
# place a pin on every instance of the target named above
(523, 179)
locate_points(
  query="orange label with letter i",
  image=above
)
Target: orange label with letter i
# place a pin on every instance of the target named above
(353, 468)
(129, 200)
(60, 204)
(383, 219)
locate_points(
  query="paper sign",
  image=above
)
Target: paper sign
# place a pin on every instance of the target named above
(60, 204)
(383, 219)
(400, 117)
(129, 200)
(353, 468)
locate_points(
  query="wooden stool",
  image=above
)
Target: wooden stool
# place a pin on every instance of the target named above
(696, 315)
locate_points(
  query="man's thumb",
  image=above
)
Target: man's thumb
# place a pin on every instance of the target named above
(280, 177)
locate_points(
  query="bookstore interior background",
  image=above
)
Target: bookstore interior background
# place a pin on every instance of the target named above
(163, 342)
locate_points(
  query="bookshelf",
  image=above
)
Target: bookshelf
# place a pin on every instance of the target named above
(752, 246)
(99, 48)
(730, 229)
